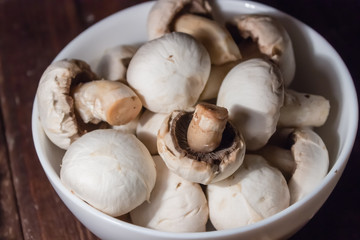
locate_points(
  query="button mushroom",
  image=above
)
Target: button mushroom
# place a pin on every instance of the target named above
(272, 39)
(216, 39)
(303, 110)
(113, 64)
(254, 192)
(176, 205)
(253, 93)
(104, 100)
(217, 75)
(312, 163)
(305, 161)
(148, 127)
(189, 144)
(169, 73)
(163, 13)
(55, 104)
(110, 170)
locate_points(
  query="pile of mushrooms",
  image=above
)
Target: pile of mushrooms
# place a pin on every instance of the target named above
(197, 126)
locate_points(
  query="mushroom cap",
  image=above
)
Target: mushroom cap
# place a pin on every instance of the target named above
(253, 93)
(312, 163)
(148, 127)
(272, 39)
(254, 192)
(163, 12)
(113, 64)
(176, 205)
(169, 73)
(197, 166)
(55, 105)
(110, 170)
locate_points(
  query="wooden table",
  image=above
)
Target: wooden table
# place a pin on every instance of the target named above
(33, 32)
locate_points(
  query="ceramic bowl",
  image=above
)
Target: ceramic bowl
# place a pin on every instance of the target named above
(320, 70)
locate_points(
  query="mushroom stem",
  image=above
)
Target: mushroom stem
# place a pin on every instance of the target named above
(109, 101)
(206, 127)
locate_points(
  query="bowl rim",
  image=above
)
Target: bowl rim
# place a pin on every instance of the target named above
(344, 150)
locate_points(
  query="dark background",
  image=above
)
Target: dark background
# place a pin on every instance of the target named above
(33, 32)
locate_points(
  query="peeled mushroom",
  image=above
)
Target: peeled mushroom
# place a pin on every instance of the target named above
(110, 170)
(108, 101)
(303, 110)
(253, 93)
(272, 39)
(254, 192)
(176, 205)
(169, 73)
(148, 127)
(113, 64)
(201, 146)
(163, 13)
(55, 104)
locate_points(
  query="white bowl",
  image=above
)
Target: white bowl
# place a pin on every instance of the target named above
(320, 70)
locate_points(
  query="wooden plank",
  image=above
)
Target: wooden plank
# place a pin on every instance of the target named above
(10, 227)
(31, 36)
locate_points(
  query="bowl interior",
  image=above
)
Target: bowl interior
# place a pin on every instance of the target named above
(319, 70)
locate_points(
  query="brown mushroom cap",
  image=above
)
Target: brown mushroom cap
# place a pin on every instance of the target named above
(55, 104)
(200, 167)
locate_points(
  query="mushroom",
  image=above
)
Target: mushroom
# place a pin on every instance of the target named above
(303, 110)
(113, 64)
(188, 143)
(163, 13)
(110, 170)
(55, 104)
(148, 127)
(217, 75)
(304, 161)
(312, 163)
(216, 38)
(279, 158)
(254, 192)
(108, 101)
(176, 205)
(272, 39)
(253, 93)
(169, 73)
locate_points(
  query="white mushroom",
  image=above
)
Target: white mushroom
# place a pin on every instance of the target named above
(176, 205)
(163, 13)
(279, 158)
(254, 192)
(272, 39)
(216, 39)
(148, 127)
(110, 170)
(108, 101)
(217, 75)
(201, 159)
(113, 64)
(303, 110)
(253, 93)
(55, 104)
(169, 73)
(304, 161)
(312, 163)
